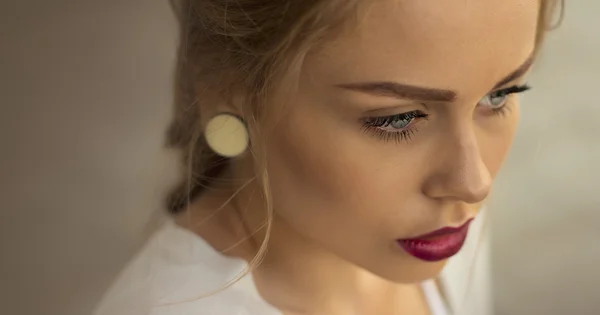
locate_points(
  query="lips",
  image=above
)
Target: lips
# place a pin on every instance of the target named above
(437, 245)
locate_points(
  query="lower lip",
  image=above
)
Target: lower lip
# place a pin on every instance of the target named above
(436, 248)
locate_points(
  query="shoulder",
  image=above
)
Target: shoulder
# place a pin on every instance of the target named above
(178, 273)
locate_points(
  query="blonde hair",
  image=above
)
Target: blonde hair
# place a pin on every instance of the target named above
(246, 52)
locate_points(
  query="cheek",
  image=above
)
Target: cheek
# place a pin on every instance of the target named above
(314, 162)
(326, 175)
(497, 141)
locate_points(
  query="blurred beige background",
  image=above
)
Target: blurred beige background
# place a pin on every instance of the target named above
(85, 100)
(85, 94)
(546, 207)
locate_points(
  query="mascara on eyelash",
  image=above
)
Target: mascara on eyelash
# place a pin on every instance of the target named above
(386, 120)
(514, 89)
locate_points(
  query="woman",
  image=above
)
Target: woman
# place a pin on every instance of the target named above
(336, 151)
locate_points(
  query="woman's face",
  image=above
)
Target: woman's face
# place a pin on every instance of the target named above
(400, 126)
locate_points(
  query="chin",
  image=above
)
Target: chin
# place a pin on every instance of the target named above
(414, 271)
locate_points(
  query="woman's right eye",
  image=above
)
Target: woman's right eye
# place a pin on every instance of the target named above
(393, 122)
(395, 127)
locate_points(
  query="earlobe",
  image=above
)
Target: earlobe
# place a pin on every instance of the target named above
(227, 135)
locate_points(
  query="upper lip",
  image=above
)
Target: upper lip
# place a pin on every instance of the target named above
(443, 231)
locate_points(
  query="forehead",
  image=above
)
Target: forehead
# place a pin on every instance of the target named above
(456, 44)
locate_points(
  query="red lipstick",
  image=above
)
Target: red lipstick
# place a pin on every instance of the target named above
(437, 245)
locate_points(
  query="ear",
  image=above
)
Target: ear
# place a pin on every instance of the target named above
(222, 123)
(212, 104)
(227, 135)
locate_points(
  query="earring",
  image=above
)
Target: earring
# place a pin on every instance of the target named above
(227, 135)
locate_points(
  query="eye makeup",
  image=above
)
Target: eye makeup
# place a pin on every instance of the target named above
(401, 127)
(398, 128)
(496, 101)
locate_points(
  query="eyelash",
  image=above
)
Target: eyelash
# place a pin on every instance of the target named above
(374, 125)
(516, 89)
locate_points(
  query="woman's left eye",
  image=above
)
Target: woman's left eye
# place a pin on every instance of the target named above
(497, 99)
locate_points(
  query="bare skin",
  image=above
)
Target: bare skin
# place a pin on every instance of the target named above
(344, 193)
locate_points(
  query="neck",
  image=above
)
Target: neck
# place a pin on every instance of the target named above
(296, 273)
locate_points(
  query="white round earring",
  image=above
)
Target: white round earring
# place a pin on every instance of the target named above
(227, 135)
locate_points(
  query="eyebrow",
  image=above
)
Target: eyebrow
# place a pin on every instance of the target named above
(405, 91)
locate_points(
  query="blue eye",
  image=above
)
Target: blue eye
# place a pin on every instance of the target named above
(497, 99)
(396, 127)
(494, 100)
(398, 122)
(395, 122)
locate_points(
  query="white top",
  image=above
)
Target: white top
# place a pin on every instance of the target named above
(176, 267)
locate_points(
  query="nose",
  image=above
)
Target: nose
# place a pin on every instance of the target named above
(460, 172)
